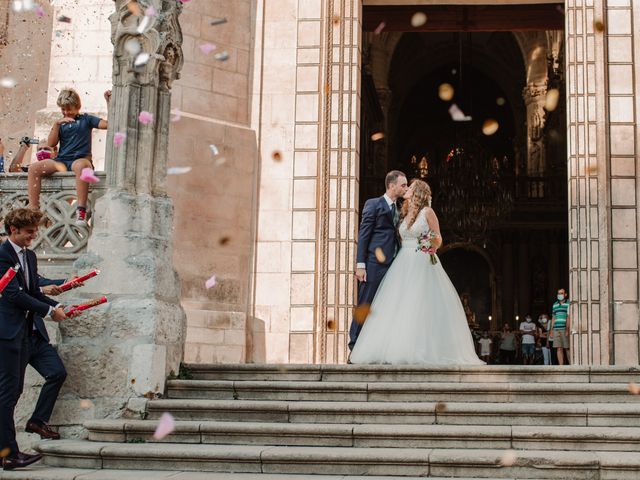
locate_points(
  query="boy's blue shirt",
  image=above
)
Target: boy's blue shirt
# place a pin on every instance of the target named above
(75, 137)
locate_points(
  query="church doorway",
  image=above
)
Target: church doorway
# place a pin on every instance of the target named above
(471, 100)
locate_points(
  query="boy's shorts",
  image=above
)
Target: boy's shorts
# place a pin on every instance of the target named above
(528, 348)
(69, 163)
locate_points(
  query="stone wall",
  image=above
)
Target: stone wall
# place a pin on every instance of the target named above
(214, 203)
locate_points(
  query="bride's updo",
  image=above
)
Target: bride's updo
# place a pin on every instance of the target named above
(420, 198)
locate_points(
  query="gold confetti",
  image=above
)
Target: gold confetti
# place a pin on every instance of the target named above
(446, 92)
(380, 256)
(4, 452)
(377, 136)
(224, 241)
(277, 156)
(361, 312)
(133, 381)
(85, 404)
(508, 458)
(551, 100)
(598, 26)
(441, 407)
(500, 101)
(489, 127)
(336, 20)
(331, 325)
(593, 169)
(418, 19)
(134, 8)
(634, 388)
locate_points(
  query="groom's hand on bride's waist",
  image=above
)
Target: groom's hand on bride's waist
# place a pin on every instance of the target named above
(361, 274)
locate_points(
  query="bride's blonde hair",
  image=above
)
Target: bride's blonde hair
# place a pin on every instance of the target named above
(421, 198)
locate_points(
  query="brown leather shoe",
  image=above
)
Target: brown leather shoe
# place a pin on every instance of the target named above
(21, 460)
(42, 429)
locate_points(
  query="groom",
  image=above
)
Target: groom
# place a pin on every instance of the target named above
(377, 233)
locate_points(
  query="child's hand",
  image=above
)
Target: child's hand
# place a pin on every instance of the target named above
(107, 95)
(65, 120)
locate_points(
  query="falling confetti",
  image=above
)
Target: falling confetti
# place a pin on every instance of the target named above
(132, 46)
(441, 407)
(218, 21)
(214, 149)
(377, 136)
(489, 127)
(64, 19)
(224, 241)
(141, 59)
(361, 312)
(177, 115)
(336, 20)
(458, 115)
(144, 24)
(445, 92)
(207, 48)
(331, 325)
(145, 117)
(4, 452)
(89, 176)
(634, 388)
(220, 161)
(134, 8)
(85, 404)
(380, 256)
(119, 138)
(276, 156)
(150, 12)
(508, 458)
(210, 283)
(418, 19)
(598, 26)
(166, 425)
(500, 101)
(40, 11)
(221, 57)
(133, 381)
(379, 28)
(551, 99)
(7, 82)
(178, 170)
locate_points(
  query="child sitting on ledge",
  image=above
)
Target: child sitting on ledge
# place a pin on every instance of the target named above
(73, 132)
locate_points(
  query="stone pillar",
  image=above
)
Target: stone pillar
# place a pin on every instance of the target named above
(603, 180)
(128, 348)
(534, 98)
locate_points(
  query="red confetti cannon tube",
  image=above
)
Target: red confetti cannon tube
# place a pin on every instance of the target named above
(69, 285)
(86, 306)
(8, 276)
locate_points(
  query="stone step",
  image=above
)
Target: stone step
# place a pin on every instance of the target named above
(402, 391)
(484, 463)
(625, 439)
(38, 472)
(423, 413)
(417, 373)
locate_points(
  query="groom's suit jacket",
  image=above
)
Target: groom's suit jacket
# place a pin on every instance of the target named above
(20, 302)
(376, 231)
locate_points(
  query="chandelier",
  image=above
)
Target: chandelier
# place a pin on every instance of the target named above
(472, 190)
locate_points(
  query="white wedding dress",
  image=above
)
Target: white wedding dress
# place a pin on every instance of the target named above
(416, 316)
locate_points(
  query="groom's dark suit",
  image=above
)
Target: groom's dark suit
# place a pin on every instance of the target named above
(24, 340)
(377, 230)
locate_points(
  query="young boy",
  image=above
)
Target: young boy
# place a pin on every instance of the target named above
(485, 347)
(73, 132)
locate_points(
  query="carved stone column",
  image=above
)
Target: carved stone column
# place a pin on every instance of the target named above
(534, 98)
(128, 348)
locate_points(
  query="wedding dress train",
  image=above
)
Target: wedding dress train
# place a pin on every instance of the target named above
(416, 316)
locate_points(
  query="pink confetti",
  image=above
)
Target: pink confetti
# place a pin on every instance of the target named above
(88, 175)
(184, 1)
(177, 115)
(145, 117)
(210, 283)
(166, 425)
(379, 28)
(150, 12)
(118, 138)
(40, 11)
(207, 48)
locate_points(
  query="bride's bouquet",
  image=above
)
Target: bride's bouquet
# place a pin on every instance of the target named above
(425, 246)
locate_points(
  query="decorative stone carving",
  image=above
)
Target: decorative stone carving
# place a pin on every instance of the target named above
(534, 96)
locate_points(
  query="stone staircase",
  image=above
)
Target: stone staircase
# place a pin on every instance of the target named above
(265, 421)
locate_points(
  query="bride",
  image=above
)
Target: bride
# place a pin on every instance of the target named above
(416, 316)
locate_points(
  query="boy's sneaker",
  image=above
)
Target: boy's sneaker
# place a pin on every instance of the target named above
(81, 217)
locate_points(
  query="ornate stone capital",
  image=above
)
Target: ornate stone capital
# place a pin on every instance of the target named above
(533, 92)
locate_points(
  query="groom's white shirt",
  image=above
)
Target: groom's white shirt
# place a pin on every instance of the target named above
(389, 202)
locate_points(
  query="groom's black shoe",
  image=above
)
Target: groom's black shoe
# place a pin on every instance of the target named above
(349, 359)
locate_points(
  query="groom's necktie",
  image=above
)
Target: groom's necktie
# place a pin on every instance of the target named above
(394, 214)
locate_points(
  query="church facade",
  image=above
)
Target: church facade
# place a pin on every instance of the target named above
(280, 141)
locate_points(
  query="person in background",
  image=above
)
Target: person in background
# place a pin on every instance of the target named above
(507, 346)
(528, 331)
(560, 326)
(485, 347)
(543, 335)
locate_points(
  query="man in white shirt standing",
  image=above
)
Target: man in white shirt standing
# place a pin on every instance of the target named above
(528, 330)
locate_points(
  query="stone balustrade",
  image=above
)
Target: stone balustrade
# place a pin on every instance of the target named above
(61, 241)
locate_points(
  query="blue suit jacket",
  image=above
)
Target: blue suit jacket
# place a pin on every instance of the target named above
(376, 231)
(19, 300)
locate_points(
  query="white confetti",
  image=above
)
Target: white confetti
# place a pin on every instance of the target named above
(214, 149)
(458, 115)
(222, 56)
(141, 59)
(178, 170)
(7, 82)
(132, 46)
(144, 24)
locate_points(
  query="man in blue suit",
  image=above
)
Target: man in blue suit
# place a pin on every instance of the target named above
(377, 242)
(24, 339)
